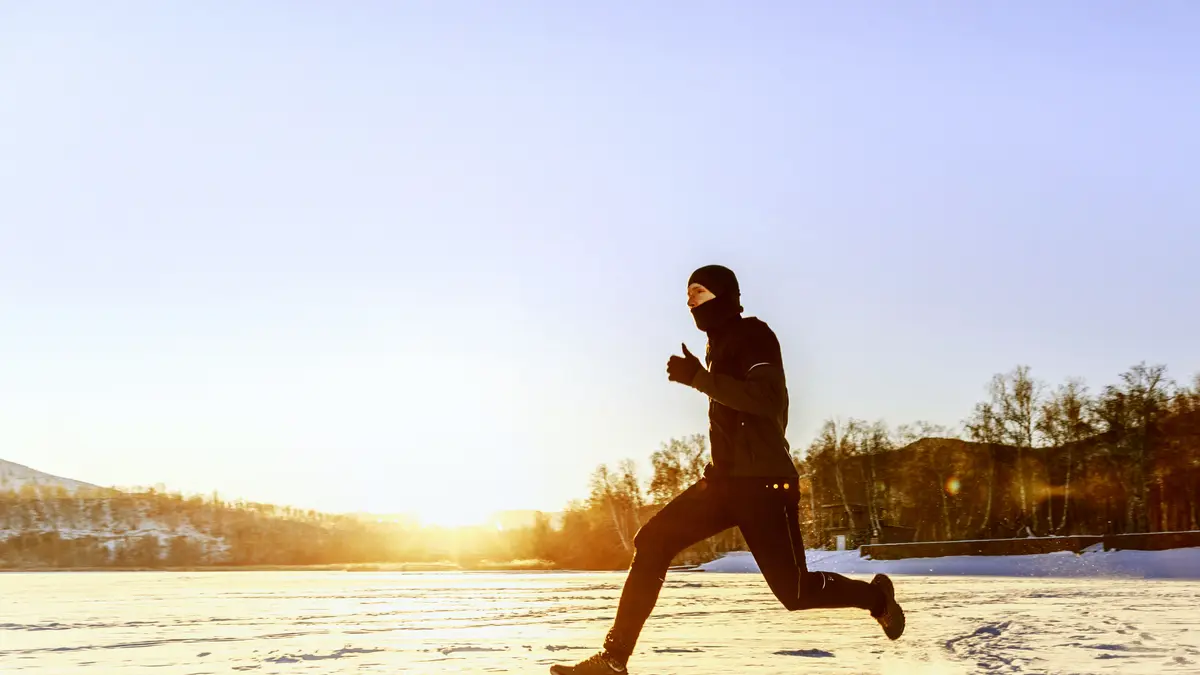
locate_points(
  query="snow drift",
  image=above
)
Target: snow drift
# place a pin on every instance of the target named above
(1181, 563)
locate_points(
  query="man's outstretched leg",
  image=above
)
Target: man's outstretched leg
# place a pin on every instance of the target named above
(697, 514)
(769, 520)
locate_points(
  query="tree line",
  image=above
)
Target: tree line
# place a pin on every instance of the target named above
(48, 526)
(1026, 460)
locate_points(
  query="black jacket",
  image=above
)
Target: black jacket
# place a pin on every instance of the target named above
(748, 401)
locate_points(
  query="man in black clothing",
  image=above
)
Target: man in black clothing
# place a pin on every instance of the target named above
(750, 483)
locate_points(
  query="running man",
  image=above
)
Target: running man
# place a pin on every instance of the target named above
(750, 483)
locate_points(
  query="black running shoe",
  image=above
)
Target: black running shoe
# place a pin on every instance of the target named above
(892, 618)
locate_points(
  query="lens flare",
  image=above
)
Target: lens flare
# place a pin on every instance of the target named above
(953, 486)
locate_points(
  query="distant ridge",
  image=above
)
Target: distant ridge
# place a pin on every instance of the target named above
(14, 476)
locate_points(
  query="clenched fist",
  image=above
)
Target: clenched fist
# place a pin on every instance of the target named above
(683, 369)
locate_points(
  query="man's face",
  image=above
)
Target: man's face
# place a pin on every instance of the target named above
(698, 295)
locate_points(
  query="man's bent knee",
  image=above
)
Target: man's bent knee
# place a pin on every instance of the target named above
(650, 536)
(808, 589)
(653, 546)
(794, 604)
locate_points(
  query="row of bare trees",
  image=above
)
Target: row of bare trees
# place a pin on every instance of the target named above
(1028, 460)
(1048, 428)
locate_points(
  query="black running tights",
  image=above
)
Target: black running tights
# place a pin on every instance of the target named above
(767, 514)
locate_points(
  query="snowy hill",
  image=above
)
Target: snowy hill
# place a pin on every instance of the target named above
(47, 527)
(14, 476)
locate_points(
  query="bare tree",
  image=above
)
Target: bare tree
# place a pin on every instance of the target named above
(1148, 392)
(618, 494)
(1064, 420)
(1111, 411)
(1129, 414)
(630, 489)
(839, 441)
(1018, 394)
(677, 465)
(872, 441)
(986, 426)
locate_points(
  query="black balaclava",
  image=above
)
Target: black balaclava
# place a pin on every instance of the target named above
(727, 303)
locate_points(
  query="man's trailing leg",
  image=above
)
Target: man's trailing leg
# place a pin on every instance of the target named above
(697, 514)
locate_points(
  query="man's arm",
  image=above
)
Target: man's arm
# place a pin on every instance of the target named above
(761, 393)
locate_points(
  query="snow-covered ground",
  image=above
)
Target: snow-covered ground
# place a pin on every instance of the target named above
(350, 623)
(1093, 562)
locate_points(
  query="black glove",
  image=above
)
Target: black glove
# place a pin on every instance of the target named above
(683, 369)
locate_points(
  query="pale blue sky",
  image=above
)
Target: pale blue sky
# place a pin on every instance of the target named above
(383, 255)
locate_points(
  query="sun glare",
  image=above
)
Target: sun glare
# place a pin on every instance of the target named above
(465, 514)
